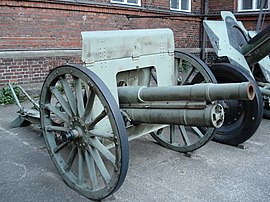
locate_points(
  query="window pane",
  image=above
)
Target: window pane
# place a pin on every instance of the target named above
(184, 4)
(246, 4)
(258, 6)
(133, 1)
(175, 4)
(118, 0)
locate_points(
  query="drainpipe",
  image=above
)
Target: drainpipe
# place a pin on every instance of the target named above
(203, 31)
(259, 22)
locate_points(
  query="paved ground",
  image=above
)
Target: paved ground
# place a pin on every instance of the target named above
(214, 173)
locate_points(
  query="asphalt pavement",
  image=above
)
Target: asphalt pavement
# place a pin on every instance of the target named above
(215, 172)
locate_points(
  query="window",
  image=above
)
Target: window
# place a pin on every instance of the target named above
(181, 5)
(130, 2)
(252, 5)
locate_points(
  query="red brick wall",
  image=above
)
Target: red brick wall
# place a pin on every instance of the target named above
(30, 70)
(35, 25)
(217, 6)
(51, 24)
(156, 4)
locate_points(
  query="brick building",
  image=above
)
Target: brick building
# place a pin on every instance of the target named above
(38, 35)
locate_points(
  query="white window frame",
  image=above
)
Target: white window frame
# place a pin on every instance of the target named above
(254, 3)
(126, 2)
(180, 9)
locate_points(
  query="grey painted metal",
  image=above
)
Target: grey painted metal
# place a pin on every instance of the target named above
(35, 104)
(127, 57)
(26, 116)
(197, 92)
(15, 96)
(229, 38)
(93, 162)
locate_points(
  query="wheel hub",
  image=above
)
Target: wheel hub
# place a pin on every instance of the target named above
(77, 133)
(233, 110)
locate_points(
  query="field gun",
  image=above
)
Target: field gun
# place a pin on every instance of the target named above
(133, 83)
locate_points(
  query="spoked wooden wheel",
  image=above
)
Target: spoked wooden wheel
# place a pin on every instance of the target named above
(181, 138)
(84, 131)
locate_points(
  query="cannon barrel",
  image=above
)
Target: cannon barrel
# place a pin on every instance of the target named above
(258, 47)
(166, 105)
(197, 92)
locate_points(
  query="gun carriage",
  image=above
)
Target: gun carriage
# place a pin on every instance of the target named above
(132, 83)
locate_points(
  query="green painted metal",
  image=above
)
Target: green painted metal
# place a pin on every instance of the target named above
(210, 116)
(258, 47)
(198, 92)
(189, 70)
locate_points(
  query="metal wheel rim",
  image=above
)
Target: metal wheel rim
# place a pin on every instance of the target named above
(201, 135)
(93, 158)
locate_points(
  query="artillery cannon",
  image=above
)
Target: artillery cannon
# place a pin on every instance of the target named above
(127, 88)
(242, 56)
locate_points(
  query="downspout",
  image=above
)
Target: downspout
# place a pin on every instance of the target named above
(204, 36)
(259, 22)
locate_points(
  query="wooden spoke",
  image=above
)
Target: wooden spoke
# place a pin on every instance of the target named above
(97, 119)
(184, 134)
(71, 158)
(56, 128)
(80, 166)
(60, 147)
(100, 164)
(97, 133)
(89, 105)
(189, 73)
(69, 94)
(172, 134)
(61, 100)
(197, 132)
(79, 96)
(91, 169)
(57, 112)
(102, 149)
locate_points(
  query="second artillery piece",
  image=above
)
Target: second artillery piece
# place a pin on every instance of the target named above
(241, 56)
(127, 88)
